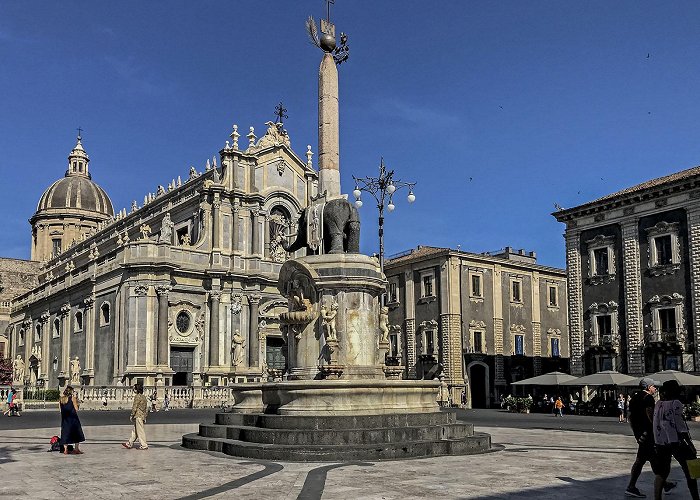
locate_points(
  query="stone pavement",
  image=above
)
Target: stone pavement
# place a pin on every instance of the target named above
(533, 463)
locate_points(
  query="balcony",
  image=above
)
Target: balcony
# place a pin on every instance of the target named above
(670, 336)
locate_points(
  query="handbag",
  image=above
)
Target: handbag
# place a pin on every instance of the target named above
(686, 448)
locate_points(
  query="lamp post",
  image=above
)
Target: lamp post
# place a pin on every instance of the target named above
(382, 188)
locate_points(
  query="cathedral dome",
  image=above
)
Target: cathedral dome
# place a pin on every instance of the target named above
(77, 190)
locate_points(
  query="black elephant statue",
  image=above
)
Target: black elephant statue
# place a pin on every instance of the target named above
(341, 228)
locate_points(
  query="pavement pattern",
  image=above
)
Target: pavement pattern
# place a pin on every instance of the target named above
(532, 463)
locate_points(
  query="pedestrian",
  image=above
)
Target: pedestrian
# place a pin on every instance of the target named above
(621, 408)
(464, 398)
(559, 407)
(9, 400)
(139, 411)
(641, 418)
(166, 402)
(104, 400)
(551, 405)
(71, 430)
(672, 438)
(154, 401)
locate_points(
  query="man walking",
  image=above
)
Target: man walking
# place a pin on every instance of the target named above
(641, 418)
(139, 411)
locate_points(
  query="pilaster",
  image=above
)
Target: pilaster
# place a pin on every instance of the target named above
(214, 296)
(633, 301)
(89, 327)
(65, 341)
(163, 349)
(575, 293)
(410, 329)
(693, 215)
(253, 339)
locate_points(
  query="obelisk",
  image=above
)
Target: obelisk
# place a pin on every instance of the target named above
(328, 121)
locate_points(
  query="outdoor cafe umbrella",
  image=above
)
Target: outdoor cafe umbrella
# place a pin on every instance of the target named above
(552, 378)
(681, 377)
(607, 377)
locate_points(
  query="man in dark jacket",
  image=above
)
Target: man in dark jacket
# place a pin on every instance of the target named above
(641, 418)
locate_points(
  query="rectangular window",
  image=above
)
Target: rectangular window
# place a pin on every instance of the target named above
(429, 342)
(667, 320)
(55, 247)
(672, 363)
(554, 343)
(553, 296)
(394, 343)
(519, 346)
(476, 285)
(606, 363)
(427, 286)
(600, 255)
(664, 254)
(604, 323)
(393, 293)
(515, 291)
(478, 342)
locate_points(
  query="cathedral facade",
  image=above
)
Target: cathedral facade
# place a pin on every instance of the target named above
(179, 290)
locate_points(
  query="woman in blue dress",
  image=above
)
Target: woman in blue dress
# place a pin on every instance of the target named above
(71, 430)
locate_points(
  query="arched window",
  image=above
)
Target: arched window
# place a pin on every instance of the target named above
(56, 328)
(37, 333)
(78, 322)
(279, 225)
(20, 340)
(104, 314)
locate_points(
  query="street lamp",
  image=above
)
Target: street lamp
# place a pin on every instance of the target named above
(382, 189)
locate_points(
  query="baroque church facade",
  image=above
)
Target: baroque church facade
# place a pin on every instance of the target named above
(180, 290)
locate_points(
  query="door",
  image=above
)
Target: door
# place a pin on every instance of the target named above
(182, 363)
(478, 384)
(276, 353)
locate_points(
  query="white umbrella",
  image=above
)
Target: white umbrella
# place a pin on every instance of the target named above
(607, 377)
(552, 378)
(682, 378)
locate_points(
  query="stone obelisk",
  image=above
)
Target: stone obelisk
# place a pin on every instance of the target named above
(328, 120)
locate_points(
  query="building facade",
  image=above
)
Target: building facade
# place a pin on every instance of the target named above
(180, 290)
(633, 269)
(16, 277)
(489, 320)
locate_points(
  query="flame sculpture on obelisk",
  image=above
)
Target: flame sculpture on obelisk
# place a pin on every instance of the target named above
(328, 121)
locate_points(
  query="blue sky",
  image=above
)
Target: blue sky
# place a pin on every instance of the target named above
(497, 110)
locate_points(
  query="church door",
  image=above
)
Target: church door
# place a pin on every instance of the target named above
(276, 353)
(182, 363)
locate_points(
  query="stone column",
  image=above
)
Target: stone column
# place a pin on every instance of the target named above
(216, 219)
(255, 230)
(328, 127)
(45, 342)
(499, 378)
(633, 298)
(65, 340)
(214, 297)
(575, 294)
(89, 328)
(253, 340)
(163, 349)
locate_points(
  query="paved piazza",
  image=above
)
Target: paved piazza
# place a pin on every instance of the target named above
(534, 463)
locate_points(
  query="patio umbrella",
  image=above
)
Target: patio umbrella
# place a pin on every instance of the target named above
(552, 378)
(681, 377)
(607, 377)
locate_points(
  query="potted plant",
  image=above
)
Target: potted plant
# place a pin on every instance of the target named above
(692, 411)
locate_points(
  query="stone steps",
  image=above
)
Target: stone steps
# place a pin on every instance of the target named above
(338, 438)
(477, 443)
(304, 437)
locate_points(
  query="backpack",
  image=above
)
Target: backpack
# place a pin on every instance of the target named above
(56, 445)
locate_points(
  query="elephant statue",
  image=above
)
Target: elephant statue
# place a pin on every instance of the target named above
(341, 228)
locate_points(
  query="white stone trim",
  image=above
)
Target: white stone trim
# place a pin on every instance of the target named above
(661, 230)
(601, 242)
(605, 309)
(674, 301)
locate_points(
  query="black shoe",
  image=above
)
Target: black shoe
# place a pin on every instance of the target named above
(669, 485)
(634, 492)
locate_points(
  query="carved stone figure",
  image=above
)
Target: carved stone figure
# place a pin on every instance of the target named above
(329, 317)
(145, 231)
(185, 240)
(75, 371)
(238, 343)
(384, 324)
(340, 225)
(166, 230)
(18, 370)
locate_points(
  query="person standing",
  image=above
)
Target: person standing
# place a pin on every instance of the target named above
(670, 431)
(621, 408)
(71, 430)
(139, 411)
(641, 418)
(559, 407)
